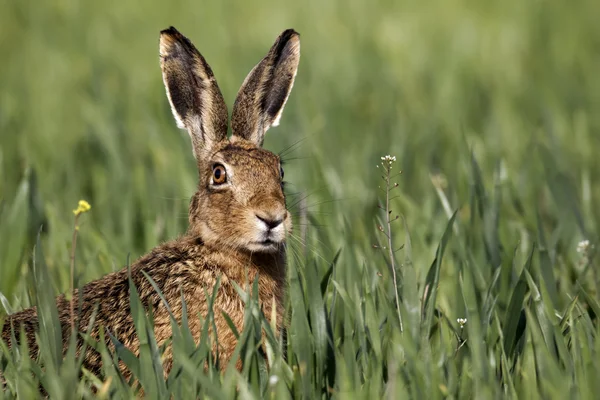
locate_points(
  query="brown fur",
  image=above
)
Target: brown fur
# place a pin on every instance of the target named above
(230, 225)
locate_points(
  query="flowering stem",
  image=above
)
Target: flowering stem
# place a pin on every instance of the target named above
(82, 207)
(460, 340)
(388, 234)
(73, 245)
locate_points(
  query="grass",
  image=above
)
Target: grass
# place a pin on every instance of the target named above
(489, 108)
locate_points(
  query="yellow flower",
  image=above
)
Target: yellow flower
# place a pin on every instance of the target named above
(82, 207)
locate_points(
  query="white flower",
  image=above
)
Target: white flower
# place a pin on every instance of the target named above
(387, 160)
(461, 322)
(583, 246)
(273, 379)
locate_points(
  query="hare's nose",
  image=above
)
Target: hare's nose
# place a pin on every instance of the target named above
(271, 222)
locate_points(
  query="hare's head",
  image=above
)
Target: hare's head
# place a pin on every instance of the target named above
(240, 203)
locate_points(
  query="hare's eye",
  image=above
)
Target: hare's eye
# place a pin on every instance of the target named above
(281, 172)
(219, 174)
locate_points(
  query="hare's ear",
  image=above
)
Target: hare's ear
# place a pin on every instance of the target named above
(263, 94)
(196, 101)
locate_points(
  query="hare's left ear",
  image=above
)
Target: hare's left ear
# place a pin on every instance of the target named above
(195, 98)
(265, 90)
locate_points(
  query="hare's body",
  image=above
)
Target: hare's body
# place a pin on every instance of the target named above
(183, 266)
(238, 218)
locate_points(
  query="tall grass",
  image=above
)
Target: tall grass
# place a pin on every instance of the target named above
(491, 110)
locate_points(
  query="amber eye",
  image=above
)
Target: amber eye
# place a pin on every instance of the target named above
(219, 174)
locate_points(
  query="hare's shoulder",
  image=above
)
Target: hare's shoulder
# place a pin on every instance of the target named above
(181, 265)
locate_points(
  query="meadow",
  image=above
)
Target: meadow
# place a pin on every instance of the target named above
(485, 286)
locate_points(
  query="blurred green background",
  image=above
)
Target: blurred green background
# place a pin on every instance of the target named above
(513, 84)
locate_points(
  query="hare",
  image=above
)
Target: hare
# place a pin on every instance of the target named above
(238, 221)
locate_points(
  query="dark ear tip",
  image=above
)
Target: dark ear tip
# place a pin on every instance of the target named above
(171, 38)
(289, 34)
(171, 35)
(289, 39)
(171, 31)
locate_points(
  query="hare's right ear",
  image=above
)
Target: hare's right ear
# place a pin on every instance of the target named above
(196, 101)
(263, 94)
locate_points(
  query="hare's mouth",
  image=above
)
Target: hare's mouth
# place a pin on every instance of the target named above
(267, 245)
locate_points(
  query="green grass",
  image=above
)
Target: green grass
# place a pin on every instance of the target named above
(491, 109)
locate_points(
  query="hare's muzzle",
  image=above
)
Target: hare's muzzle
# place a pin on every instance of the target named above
(271, 229)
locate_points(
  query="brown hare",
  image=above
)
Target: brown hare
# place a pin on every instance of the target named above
(238, 221)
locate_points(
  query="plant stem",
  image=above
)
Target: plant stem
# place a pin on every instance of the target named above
(390, 245)
(73, 245)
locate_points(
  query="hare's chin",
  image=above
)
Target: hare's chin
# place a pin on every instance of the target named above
(265, 246)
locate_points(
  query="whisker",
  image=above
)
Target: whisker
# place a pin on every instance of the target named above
(330, 201)
(311, 224)
(311, 193)
(294, 194)
(305, 210)
(291, 147)
(304, 197)
(287, 160)
(322, 243)
(308, 246)
(295, 254)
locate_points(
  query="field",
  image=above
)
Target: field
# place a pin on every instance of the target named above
(491, 110)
